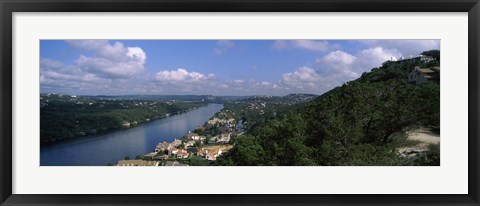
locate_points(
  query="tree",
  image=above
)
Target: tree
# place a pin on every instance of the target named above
(198, 161)
(247, 152)
(432, 53)
(199, 131)
(126, 158)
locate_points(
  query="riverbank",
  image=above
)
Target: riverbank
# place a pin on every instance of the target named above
(109, 148)
(192, 149)
(113, 130)
(68, 117)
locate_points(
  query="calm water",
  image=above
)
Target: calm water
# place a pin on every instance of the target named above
(109, 148)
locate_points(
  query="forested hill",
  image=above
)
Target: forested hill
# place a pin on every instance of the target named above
(66, 117)
(354, 124)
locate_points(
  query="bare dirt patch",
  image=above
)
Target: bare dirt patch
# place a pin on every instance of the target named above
(424, 137)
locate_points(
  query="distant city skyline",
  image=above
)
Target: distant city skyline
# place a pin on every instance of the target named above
(212, 67)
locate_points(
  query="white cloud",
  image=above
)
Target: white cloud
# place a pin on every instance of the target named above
(351, 66)
(338, 57)
(223, 46)
(104, 66)
(137, 54)
(224, 86)
(311, 45)
(264, 83)
(57, 71)
(338, 62)
(281, 44)
(50, 64)
(110, 61)
(301, 44)
(225, 43)
(304, 79)
(335, 68)
(113, 67)
(248, 87)
(55, 75)
(374, 57)
(181, 75)
(182, 81)
(305, 74)
(404, 47)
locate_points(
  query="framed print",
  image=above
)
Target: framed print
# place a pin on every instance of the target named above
(263, 102)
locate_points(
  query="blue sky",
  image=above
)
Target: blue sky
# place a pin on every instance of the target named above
(218, 67)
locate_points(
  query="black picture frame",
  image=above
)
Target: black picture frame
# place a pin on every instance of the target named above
(7, 7)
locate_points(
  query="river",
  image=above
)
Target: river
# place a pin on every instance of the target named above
(99, 150)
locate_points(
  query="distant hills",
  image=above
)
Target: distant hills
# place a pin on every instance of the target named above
(187, 98)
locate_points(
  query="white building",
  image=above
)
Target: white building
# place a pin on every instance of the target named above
(419, 58)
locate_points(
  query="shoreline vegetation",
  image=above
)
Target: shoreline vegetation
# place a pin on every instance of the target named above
(65, 117)
(389, 116)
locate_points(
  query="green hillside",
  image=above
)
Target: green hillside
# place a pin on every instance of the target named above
(67, 117)
(361, 122)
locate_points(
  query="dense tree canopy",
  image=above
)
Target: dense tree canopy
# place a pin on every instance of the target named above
(350, 125)
(432, 53)
(66, 117)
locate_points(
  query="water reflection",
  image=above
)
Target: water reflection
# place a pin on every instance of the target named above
(109, 148)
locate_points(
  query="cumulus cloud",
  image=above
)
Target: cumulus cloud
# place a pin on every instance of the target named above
(335, 68)
(55, 75)
(302, 80)
(104, 65)
(330, 70)
(110, 60)
(404, 47)
(301, 44)
(183, 81)
(374, 57)
(51, 70)
(351, 66)
(338, 62)
(113, 68)
(223, 46)
(247, 87)
(137, 54)
(181, 75)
